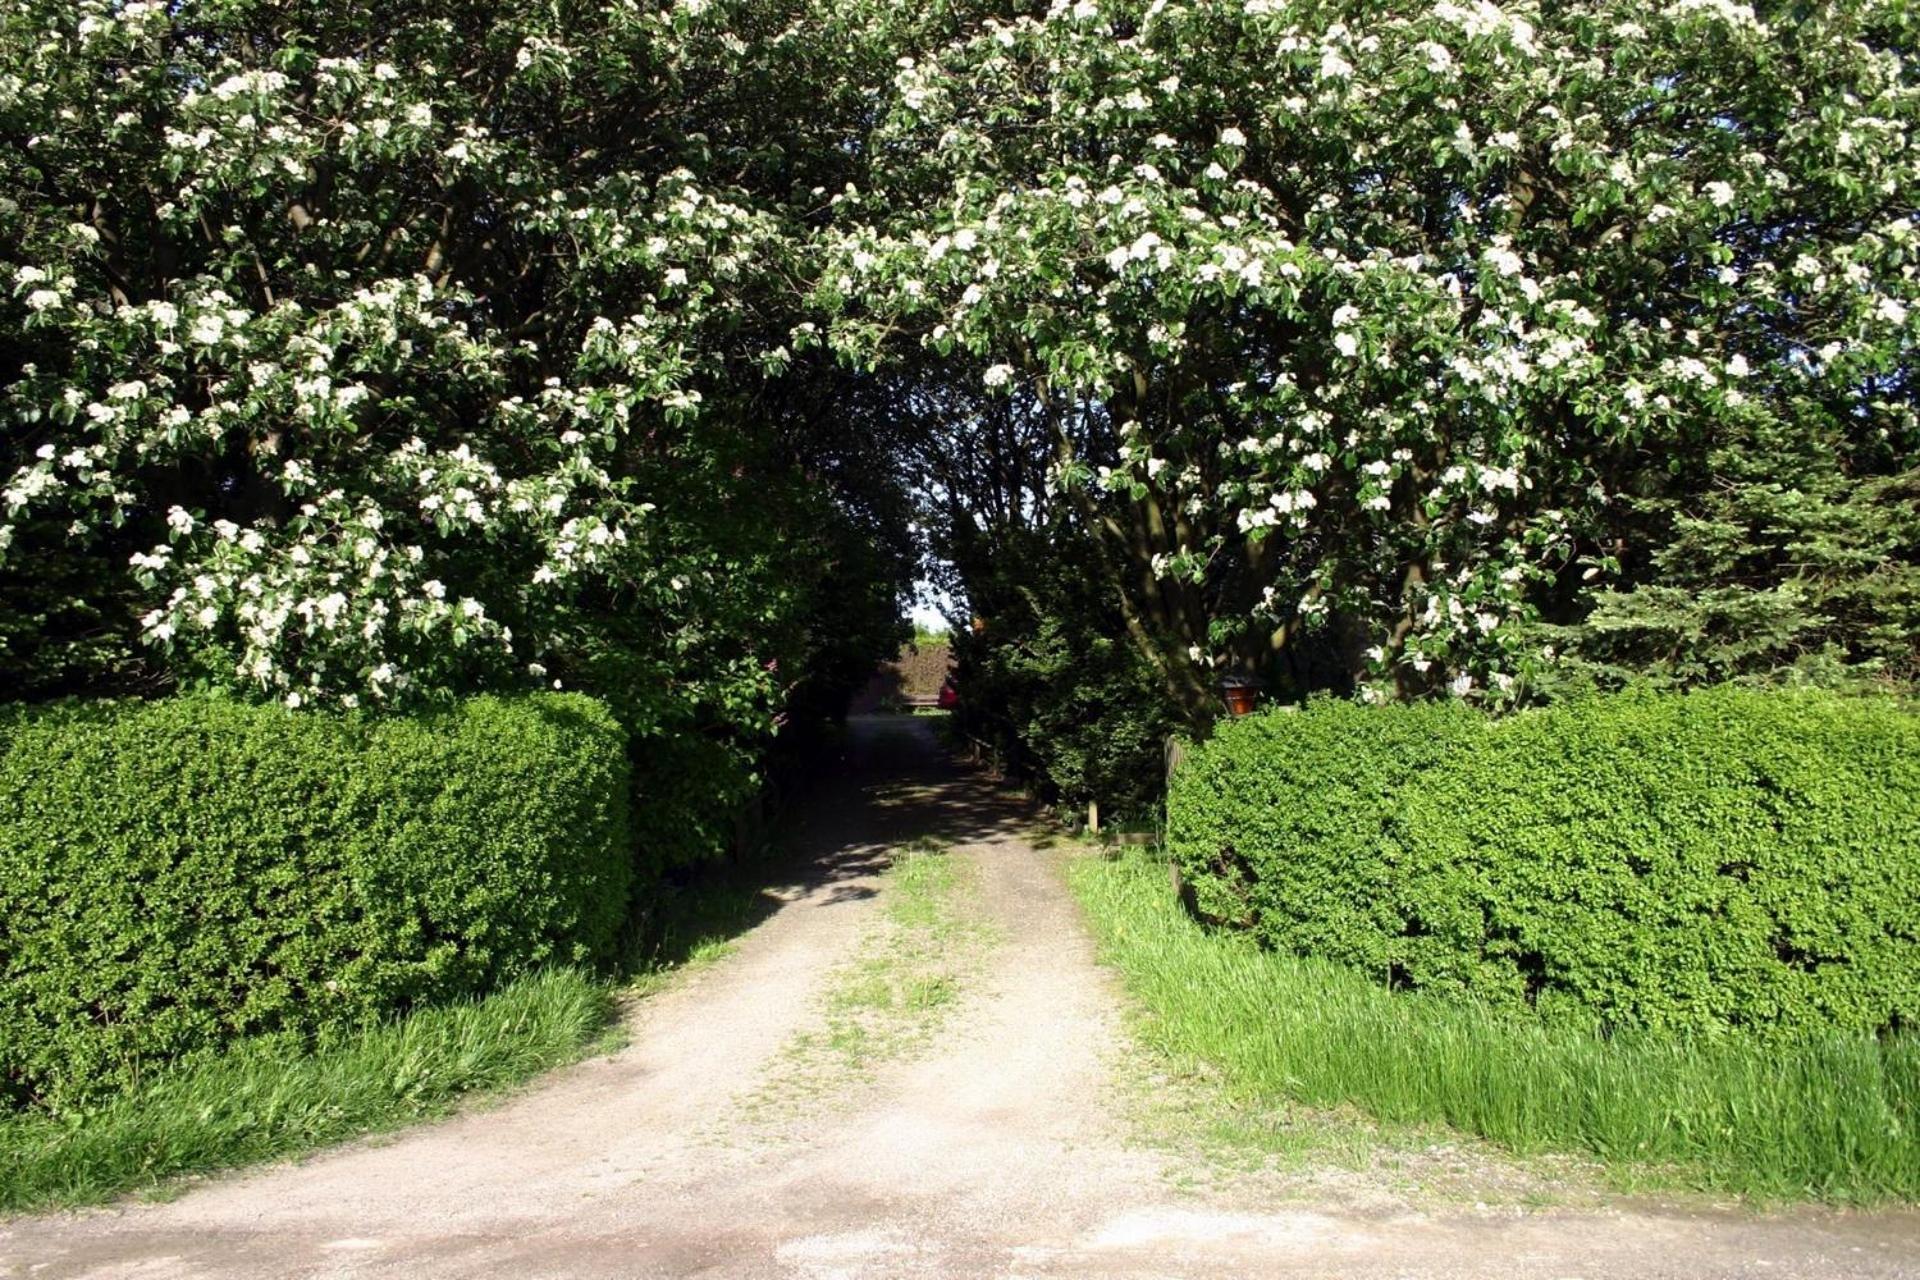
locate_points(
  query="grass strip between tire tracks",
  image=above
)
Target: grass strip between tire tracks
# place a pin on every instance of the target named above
(890, 998)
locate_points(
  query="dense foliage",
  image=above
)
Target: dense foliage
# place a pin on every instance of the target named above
(1727, 858)
(179, 874)
(357, 354)
(1376, 342)
(1051, 682)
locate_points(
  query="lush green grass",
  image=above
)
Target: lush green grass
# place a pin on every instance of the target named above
(255, 1103)
(1831, 1118)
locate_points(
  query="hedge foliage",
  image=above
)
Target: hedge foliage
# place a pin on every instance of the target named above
(183, 873)
(1682, 863)
(1052, 680)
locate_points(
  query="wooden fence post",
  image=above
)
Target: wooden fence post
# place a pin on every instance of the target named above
(1175, 753)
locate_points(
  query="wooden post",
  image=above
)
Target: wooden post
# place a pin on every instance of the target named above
(1175, 752)
(1093, 816)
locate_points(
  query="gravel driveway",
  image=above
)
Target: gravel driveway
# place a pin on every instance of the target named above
(1003, 1148)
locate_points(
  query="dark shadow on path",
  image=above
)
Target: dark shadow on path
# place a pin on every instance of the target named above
(896, 783)
(892, 782)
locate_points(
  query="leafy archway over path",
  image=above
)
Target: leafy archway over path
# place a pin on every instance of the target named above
(1472, 348)
(358, 355)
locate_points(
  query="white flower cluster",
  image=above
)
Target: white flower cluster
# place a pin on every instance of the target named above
(1386, 383)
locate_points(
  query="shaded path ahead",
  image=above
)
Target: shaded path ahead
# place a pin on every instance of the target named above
(1001, 1149)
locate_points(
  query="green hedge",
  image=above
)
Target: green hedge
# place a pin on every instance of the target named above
(1727, 858)
(179, 874)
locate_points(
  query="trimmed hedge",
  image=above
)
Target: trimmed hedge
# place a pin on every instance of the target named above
(1676, 863)
(179, 874)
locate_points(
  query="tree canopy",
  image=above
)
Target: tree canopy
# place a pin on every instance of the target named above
(1416, 328)
(358, 353)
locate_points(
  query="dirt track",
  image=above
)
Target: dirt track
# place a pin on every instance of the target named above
(1003, 1148)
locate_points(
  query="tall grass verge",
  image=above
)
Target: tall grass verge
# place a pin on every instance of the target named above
(1830, 1118)
(257, 1103)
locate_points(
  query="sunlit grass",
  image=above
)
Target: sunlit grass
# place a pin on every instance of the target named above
(1831, 1118)
(892, 994)
(256, 1103)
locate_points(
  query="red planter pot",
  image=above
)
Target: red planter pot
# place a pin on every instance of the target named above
(1240, 699)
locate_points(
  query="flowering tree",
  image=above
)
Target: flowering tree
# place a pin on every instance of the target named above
(352, 354)
(366, 352)
(1412, 326)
